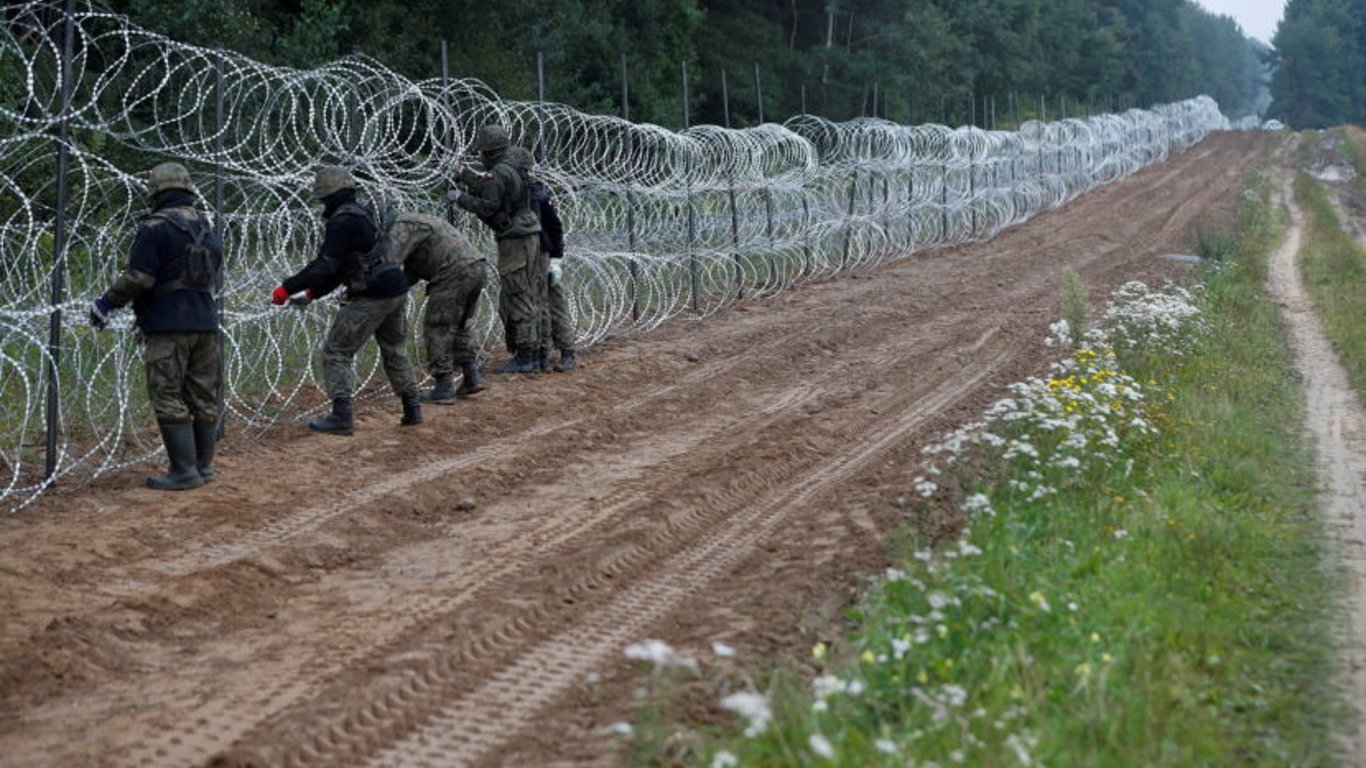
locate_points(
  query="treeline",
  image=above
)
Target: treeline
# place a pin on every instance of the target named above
(1320, 77)
(926, 60)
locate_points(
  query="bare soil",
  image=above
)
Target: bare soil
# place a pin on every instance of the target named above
(440, 595)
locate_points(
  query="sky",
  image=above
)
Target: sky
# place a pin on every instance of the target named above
(1258, 18)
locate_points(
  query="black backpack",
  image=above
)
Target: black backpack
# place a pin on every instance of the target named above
(199, 264)
(378, 259)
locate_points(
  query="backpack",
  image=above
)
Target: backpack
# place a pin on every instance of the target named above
(378, 260)
(200, 264)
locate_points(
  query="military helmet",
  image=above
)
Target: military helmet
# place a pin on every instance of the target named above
(168, 176)
(492, 138)
(331, 179)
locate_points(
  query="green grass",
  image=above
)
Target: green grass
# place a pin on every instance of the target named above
(1334, 270)
(1170, 607)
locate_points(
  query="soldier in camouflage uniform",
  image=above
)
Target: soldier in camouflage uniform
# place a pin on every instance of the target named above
(356, 253)
(501, 198)
(174, 269)
(557, 324)
(431, 249)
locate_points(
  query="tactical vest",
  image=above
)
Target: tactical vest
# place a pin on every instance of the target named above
(366, 266)
(521, 208)
(197, 268)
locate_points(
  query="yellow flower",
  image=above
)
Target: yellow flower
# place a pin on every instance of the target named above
(818, 650)
(1107, 658)
(868, 657)
(1095, 637)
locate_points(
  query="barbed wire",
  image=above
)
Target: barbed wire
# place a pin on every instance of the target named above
(659, 223)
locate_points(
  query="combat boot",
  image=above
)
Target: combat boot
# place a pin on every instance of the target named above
(339, 422)
(205, 441)
(523, 362)
(412, 411)
(179, 440)
(444, 392)
(471, 383)
(567, 362)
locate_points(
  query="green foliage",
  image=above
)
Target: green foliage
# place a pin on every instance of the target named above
(1169, 608)
(931, 59)
(1320, 56)
(1073, 306)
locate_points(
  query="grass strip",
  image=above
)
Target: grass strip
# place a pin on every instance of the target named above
(1333, 266)
(1137, 574)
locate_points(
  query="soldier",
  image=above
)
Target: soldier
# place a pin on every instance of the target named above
(501, 198)
(557, 325)
(431, 249)
(175, 267)
(355, 253)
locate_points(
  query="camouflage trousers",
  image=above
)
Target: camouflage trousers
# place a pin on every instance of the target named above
(357, 320)
(521, 290)
(182, 376)
(451, 301)
(557, 322)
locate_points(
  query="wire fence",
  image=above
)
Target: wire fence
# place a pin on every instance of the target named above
(660, 223)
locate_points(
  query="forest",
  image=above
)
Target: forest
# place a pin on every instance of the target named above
(954, 61)
(1320, 77)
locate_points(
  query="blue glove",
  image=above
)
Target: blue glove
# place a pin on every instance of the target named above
(100, 310)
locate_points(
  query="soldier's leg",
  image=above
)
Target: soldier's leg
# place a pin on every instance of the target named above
(562, 327)
(351, 327)
(201, 395)
(392, 334)
(541, 260)
(516, 264)
(167, 358)
(473, 278)
(439, 328)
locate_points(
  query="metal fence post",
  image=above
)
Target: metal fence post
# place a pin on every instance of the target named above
(734, 211)
(220, 227)
(630, 197)
(687, 199)
(59, 246)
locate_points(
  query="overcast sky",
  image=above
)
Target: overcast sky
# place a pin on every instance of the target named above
(1258, 18)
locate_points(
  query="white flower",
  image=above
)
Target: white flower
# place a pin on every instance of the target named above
(751, 706)
(821, 746)
(724, 759)
(623, 730)
(1121, 534)
(895, 574)
(661, 654)
(722, 650)
(886, 746)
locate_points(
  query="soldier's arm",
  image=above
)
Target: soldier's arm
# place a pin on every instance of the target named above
(140, 274)
(484, 198)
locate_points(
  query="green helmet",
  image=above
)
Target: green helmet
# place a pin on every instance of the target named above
(492, 138)
(168, 176)
(331, 179)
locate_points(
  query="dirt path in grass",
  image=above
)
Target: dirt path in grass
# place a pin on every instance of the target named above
(1337, 422)
(440, 596)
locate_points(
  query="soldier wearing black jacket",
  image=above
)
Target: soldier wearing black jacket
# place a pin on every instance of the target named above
(174, 269)
(355, 254)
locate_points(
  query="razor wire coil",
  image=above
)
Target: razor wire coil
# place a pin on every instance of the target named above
(659, 223)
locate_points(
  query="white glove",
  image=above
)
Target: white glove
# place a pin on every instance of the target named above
(555, 271)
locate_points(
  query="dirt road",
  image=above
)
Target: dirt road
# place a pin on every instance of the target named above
(438, 595)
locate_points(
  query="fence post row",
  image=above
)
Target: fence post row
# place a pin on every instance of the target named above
(59, 247)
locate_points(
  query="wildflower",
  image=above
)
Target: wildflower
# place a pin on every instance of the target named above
(753, 707)
(624, 730)
(722, 650)
(661, 654)
(1036, 597)
(818, 650)
(1106, 658)
(724, 759)
(886, 747)
(1121, 534)
(821, 746)
(868, 657)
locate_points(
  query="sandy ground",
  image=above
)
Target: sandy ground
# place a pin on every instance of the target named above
(438, 596)
(1336, 421)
